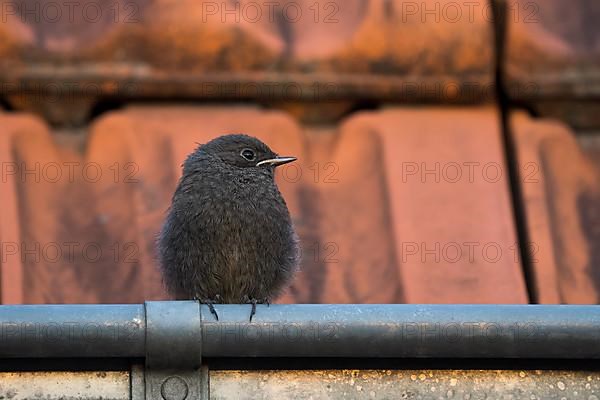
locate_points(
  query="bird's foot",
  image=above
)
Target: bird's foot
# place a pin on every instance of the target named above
(254, 302)
(210, 303)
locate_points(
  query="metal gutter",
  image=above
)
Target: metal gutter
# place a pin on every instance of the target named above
(362, 331)
(178, 351)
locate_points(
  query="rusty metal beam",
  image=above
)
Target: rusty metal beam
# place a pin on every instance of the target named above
(68, 83)
(126, 82)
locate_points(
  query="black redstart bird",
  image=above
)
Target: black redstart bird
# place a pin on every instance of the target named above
(228, 236)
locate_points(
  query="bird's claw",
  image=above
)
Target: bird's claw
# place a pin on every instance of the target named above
(254, 302)
(210, 303)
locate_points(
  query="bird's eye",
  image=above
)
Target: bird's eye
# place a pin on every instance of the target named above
(248, 154)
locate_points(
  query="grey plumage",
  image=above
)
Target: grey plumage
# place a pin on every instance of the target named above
(228, 236)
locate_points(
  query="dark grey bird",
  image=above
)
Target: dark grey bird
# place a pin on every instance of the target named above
(228, 236)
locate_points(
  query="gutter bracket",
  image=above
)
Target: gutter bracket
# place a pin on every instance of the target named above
(174, 352)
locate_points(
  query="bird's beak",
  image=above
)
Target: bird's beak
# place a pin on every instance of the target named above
(277, 161)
